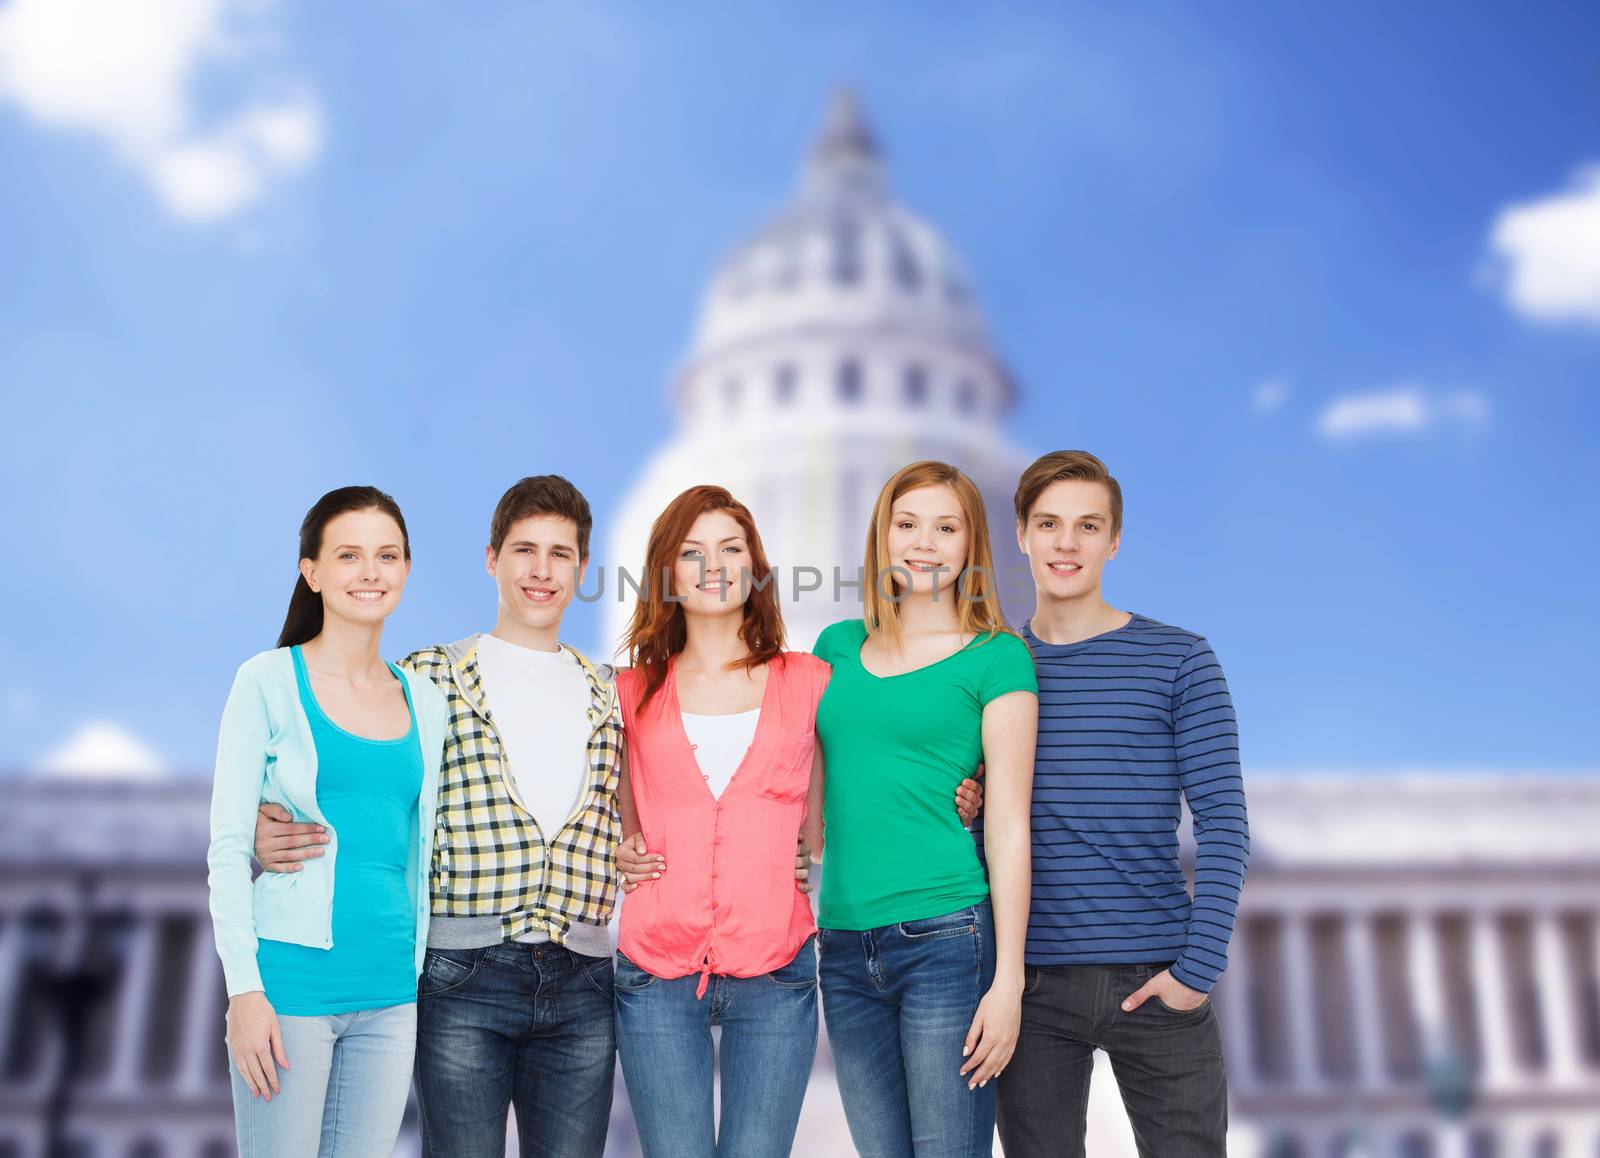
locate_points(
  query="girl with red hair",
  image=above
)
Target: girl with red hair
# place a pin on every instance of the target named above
(721, 774)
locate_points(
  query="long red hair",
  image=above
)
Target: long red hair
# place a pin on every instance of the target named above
(658, 630)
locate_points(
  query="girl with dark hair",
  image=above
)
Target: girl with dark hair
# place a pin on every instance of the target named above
(322, 991)
(720, 773)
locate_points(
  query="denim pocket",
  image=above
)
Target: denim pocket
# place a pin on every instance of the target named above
(600, 975)
(446, 969)
(801, 973)
(1161, 1003)
(946, 925)
(630, 978)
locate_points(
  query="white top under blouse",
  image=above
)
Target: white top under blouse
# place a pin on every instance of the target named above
(719, 744)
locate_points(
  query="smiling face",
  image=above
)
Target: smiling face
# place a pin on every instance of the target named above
(927, 538)
(537, 571)
(711, 572)
(361, 568)
(1068, 538)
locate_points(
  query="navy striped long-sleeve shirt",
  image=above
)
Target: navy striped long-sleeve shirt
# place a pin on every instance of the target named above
(1128, 721)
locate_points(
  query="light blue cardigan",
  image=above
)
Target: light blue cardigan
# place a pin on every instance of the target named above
(266, 754)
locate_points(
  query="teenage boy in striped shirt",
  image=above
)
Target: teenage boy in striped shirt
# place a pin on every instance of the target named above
(1134, 716)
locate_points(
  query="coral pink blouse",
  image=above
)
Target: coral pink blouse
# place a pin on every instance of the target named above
(728, 902)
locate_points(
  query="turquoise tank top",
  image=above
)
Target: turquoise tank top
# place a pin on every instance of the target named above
(368, 790)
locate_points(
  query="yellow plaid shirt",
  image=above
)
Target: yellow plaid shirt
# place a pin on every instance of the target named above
(489, 857)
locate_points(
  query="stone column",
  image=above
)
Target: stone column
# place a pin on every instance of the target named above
(1491, 996)
(1361, 962)
(135, 994)
(1425, 980)
(1558, 1013)
(1453, 1140)
(1305, 1064)
(11, 965)
(1237, 1026)
(201, 1028)
(52, 1047)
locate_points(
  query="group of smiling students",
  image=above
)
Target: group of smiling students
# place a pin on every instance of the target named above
(479, 803)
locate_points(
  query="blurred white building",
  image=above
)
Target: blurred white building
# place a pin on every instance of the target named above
(1401, 935)
(1384, 918)
(837, 345)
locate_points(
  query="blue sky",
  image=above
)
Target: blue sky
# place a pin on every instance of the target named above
(1248, 254)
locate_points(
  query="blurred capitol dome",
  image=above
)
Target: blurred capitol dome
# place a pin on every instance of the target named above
(839, 343)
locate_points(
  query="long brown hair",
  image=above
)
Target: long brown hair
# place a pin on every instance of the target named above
(977, 599)
(658, 630)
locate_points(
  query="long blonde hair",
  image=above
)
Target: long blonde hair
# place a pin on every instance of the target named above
(977, 599)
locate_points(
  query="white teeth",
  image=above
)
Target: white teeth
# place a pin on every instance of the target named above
(368, 596)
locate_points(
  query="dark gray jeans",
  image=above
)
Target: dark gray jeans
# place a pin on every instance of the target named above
(1168, 1066)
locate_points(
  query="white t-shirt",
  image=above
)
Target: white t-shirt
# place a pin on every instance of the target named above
(539, 701)
(719, 744)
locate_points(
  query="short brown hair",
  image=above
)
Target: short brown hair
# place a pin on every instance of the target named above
(1066, 464)
(541, 494)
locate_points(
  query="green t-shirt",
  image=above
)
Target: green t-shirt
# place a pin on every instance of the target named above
(894, 750)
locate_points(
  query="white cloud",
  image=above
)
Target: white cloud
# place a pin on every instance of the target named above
(99, 750)
(125, 72)
(1270, 395)
(1406, 409)
(1546, 254)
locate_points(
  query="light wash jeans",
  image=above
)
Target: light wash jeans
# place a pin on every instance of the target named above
(344, 1092)
(769, 1038)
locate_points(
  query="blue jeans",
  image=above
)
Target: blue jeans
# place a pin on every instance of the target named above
(514, 1025)
(769, 1039)
(898, 1003)
(344, 1092)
